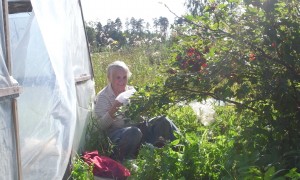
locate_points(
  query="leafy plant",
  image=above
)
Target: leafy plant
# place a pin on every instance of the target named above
(199, 153)
(81, 170)
(96, 138)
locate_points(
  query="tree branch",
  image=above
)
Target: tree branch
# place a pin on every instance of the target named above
(209, 94)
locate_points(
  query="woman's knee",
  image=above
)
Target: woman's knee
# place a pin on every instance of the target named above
(134, 133)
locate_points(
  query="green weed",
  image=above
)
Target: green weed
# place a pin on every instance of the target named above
(81, 170)
(96, 138)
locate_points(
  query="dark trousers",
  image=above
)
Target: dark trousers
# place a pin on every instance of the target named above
(129, 139)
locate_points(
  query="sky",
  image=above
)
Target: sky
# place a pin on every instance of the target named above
(102, 10)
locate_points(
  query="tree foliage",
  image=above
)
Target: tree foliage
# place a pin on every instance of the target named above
(136, 32)
(247, 54)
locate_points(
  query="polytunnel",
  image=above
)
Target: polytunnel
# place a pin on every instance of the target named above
(46, 87)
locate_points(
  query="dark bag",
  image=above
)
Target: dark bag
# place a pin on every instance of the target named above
(160, 129)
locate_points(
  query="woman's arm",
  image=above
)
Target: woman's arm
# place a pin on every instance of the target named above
(105, 111)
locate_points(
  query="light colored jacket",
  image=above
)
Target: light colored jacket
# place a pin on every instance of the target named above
(103, 102)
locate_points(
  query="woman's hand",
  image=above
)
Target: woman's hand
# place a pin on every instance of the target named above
(114, 108)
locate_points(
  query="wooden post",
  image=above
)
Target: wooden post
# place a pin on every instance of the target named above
(14, 100)
(17, 136)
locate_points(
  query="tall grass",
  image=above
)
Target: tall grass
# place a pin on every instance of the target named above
(145, 67)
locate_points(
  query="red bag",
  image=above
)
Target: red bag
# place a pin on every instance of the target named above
(105, 166)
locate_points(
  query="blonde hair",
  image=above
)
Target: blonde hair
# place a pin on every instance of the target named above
(117, 64)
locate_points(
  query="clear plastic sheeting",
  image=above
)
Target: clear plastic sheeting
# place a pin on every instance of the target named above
(49, 51)
(4, 76)
(4, 80)
(8, 162)
(85, 95)
(40, 105)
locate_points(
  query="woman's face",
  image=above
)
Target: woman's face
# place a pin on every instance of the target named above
(119, 80)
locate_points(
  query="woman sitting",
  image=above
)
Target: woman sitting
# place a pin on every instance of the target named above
(127, 137)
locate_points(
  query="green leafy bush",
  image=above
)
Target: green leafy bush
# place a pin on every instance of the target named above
(96, 138)
(246, 54)
(81, 170)
(198, 153)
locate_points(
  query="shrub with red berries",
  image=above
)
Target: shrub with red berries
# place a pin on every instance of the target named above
(191, 60)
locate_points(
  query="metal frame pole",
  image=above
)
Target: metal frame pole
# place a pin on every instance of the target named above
(86, 39)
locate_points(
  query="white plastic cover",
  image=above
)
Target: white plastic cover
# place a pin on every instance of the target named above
(49, 51)
(7, 142)
(8, 161)
(4, 76)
